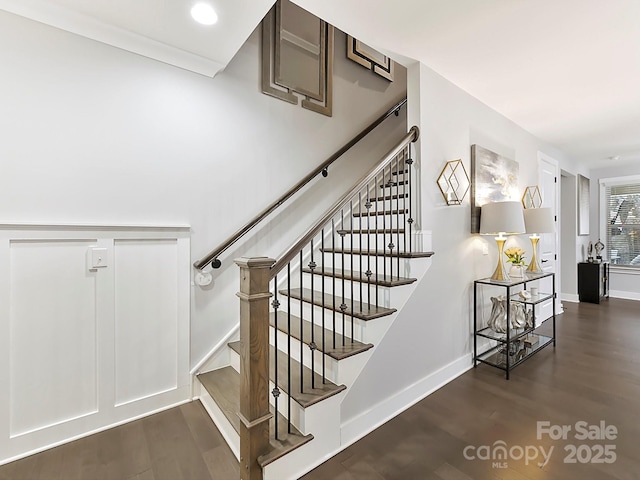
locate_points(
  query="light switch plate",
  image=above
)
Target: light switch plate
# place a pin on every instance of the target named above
(97, 258)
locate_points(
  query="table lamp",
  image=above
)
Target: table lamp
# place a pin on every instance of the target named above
(501, 218)
(537, 220)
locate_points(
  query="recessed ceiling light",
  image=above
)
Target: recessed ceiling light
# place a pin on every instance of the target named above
(204, 13)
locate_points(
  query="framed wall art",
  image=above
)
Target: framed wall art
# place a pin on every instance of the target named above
(494, 178)
(297, 57)
(583, 205)
(370, 58)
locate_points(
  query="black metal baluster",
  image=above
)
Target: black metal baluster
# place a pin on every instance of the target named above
(391, 245)
(375, 190)
(276, 391)
(352, 267)
(301, 330)
(289, 347)
(312, 345)
(361, 249)
(369, 221)
(324, 349)
(398, 213)
(333, 277)
(404, 199)
(384, 227)
(410, 221)
(343, 305)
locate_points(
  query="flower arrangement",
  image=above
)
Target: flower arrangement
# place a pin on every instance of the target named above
(515, 255)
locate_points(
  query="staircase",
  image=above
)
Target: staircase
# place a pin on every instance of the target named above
(333, 296)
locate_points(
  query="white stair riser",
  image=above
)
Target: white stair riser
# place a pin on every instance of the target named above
(386, 203)
(379, 265)
(340, 372)
(355, 289)
(365, 238)
(358, 325)
(297, 412)
(331, 364)
(377, 222)
(222, 423)
(366, 243)
(323, 421)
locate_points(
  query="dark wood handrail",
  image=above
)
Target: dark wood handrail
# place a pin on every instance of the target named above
(294, 250)
(212, 256)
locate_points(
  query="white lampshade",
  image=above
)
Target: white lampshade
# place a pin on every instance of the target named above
(539, 220)
(501, 217)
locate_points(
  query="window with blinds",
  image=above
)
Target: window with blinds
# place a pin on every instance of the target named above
(623, 224)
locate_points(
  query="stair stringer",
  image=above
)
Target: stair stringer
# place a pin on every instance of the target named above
(373, 331)
(322, 418)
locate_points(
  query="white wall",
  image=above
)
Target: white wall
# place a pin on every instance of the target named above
(93, 134)
(623, 284)
(434, 329)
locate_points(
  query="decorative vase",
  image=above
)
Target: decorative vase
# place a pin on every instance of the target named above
(516, 271)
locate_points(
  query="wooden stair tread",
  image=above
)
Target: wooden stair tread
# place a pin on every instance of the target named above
(339, 352)
(381, 280)
(400, 172)
(309, 396)
(378, 253)
(381, 212)
(370, 231)
(224, 387)
(367, 312)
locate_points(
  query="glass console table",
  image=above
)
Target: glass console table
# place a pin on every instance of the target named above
(510, 348)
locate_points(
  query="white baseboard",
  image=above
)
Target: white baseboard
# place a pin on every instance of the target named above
(570, 297)
(217, 347)
(356, 428)
(624, 295)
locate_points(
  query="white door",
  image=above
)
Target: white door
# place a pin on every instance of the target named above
(548, 177)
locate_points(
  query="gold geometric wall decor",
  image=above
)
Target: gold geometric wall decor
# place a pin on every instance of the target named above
(369, 58)
(297, 57)
(531, 197)
(454, 182)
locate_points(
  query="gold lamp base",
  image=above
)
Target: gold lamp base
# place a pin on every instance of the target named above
(534, 266)
(499, 273)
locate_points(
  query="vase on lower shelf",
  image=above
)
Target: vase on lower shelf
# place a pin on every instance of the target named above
(516, 271)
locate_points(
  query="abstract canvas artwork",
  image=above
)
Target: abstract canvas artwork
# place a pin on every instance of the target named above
(583, 205)
(494, 178)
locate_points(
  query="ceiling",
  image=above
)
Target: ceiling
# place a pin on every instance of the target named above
(159, 29)
(568, 71)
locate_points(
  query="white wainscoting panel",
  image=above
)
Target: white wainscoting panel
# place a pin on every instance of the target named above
(52, 334)
(146, 310)
(82, 348)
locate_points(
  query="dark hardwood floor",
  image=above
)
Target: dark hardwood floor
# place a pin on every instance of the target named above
(178, 444)
(593, 375)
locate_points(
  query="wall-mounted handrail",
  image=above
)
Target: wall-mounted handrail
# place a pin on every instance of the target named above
(212, 256)
(295, 249)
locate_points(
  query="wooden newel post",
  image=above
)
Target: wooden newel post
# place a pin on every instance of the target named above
(254, 363)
